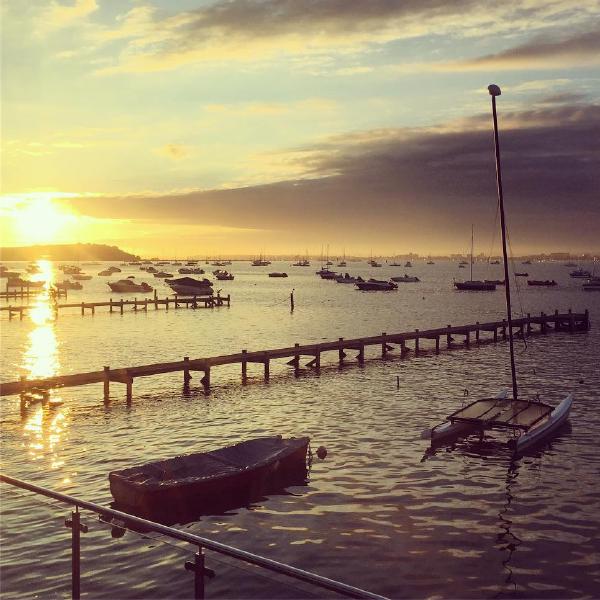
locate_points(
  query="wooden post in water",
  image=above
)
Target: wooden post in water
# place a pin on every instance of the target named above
(106, 384)
(318, 359)
(267, 371)
(383, 345)
(477, 332)
(292, 301)
(528, 323)
(571, 322)
(417, 343)
(504, 329)
(448, 337)
(437, 344)
(468, 338)
(110, 305)
(129, 390)
(297, 361)
(244, 367)
(361, 354)
(121, 305)
(82, 309)
(186, 372)
(341, 353)
(495, 334)
(135, 304)
(543, 323)
(206, 379)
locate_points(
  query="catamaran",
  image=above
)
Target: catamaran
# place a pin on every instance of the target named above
(530, 421)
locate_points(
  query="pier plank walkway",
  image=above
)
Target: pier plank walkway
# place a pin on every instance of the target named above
(569, 322)
(119, 305)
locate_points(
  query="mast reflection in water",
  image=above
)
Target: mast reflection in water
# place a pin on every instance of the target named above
(44, 419)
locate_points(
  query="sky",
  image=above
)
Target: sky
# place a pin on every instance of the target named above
(218, 127)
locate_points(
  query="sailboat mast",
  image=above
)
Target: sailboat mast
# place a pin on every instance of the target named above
(494, 91)
(471, 279)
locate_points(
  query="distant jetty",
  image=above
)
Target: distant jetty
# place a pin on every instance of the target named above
(72, 252)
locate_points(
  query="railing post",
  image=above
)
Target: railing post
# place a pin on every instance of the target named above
(200, 571)
(74, 523)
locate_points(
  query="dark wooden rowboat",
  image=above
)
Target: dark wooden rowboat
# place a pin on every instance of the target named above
(228, 477)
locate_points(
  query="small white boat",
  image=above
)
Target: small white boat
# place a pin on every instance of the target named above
(223, 275)
(405, 279)
(124, 286)
(347, 278)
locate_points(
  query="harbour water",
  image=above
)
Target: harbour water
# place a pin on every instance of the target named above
(379, 512)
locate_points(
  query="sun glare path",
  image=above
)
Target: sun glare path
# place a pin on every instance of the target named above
(45, 420)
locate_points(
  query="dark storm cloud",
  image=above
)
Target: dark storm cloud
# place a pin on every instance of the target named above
(403, 180)
(582, 49)
(269, 17)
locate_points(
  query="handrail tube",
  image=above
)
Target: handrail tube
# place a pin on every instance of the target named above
(249, 557)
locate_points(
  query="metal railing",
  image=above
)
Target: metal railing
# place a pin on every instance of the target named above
(197, 566)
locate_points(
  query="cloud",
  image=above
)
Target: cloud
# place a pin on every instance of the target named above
(581, 50)
(174, 151)
(254, 30)
(412, 183)
(58, 16)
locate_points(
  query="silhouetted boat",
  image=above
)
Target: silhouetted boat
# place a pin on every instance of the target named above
(347, 278)
(373, 285)
(232, 476)
(223, 275)
(124, 286)
(277, 274)
(580, 274)
(521, 274)
(405, 279)
(188, 286)
(540, 283)
(592, 285)
(474, 285)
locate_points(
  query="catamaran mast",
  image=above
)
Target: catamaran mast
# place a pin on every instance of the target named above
(494, 91)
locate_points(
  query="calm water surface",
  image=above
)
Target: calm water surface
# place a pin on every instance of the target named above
(380, 512)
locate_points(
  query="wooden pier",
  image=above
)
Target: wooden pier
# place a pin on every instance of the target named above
(569, 322)
(24, 293)
(120, 305)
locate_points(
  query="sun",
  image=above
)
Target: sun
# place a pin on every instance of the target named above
(35, 218)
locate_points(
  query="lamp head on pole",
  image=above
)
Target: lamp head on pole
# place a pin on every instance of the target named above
(494, 90)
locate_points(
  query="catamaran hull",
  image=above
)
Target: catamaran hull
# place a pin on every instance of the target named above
(556, 419)
(448, 431)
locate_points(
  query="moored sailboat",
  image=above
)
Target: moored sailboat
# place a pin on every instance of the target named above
(530, 421)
